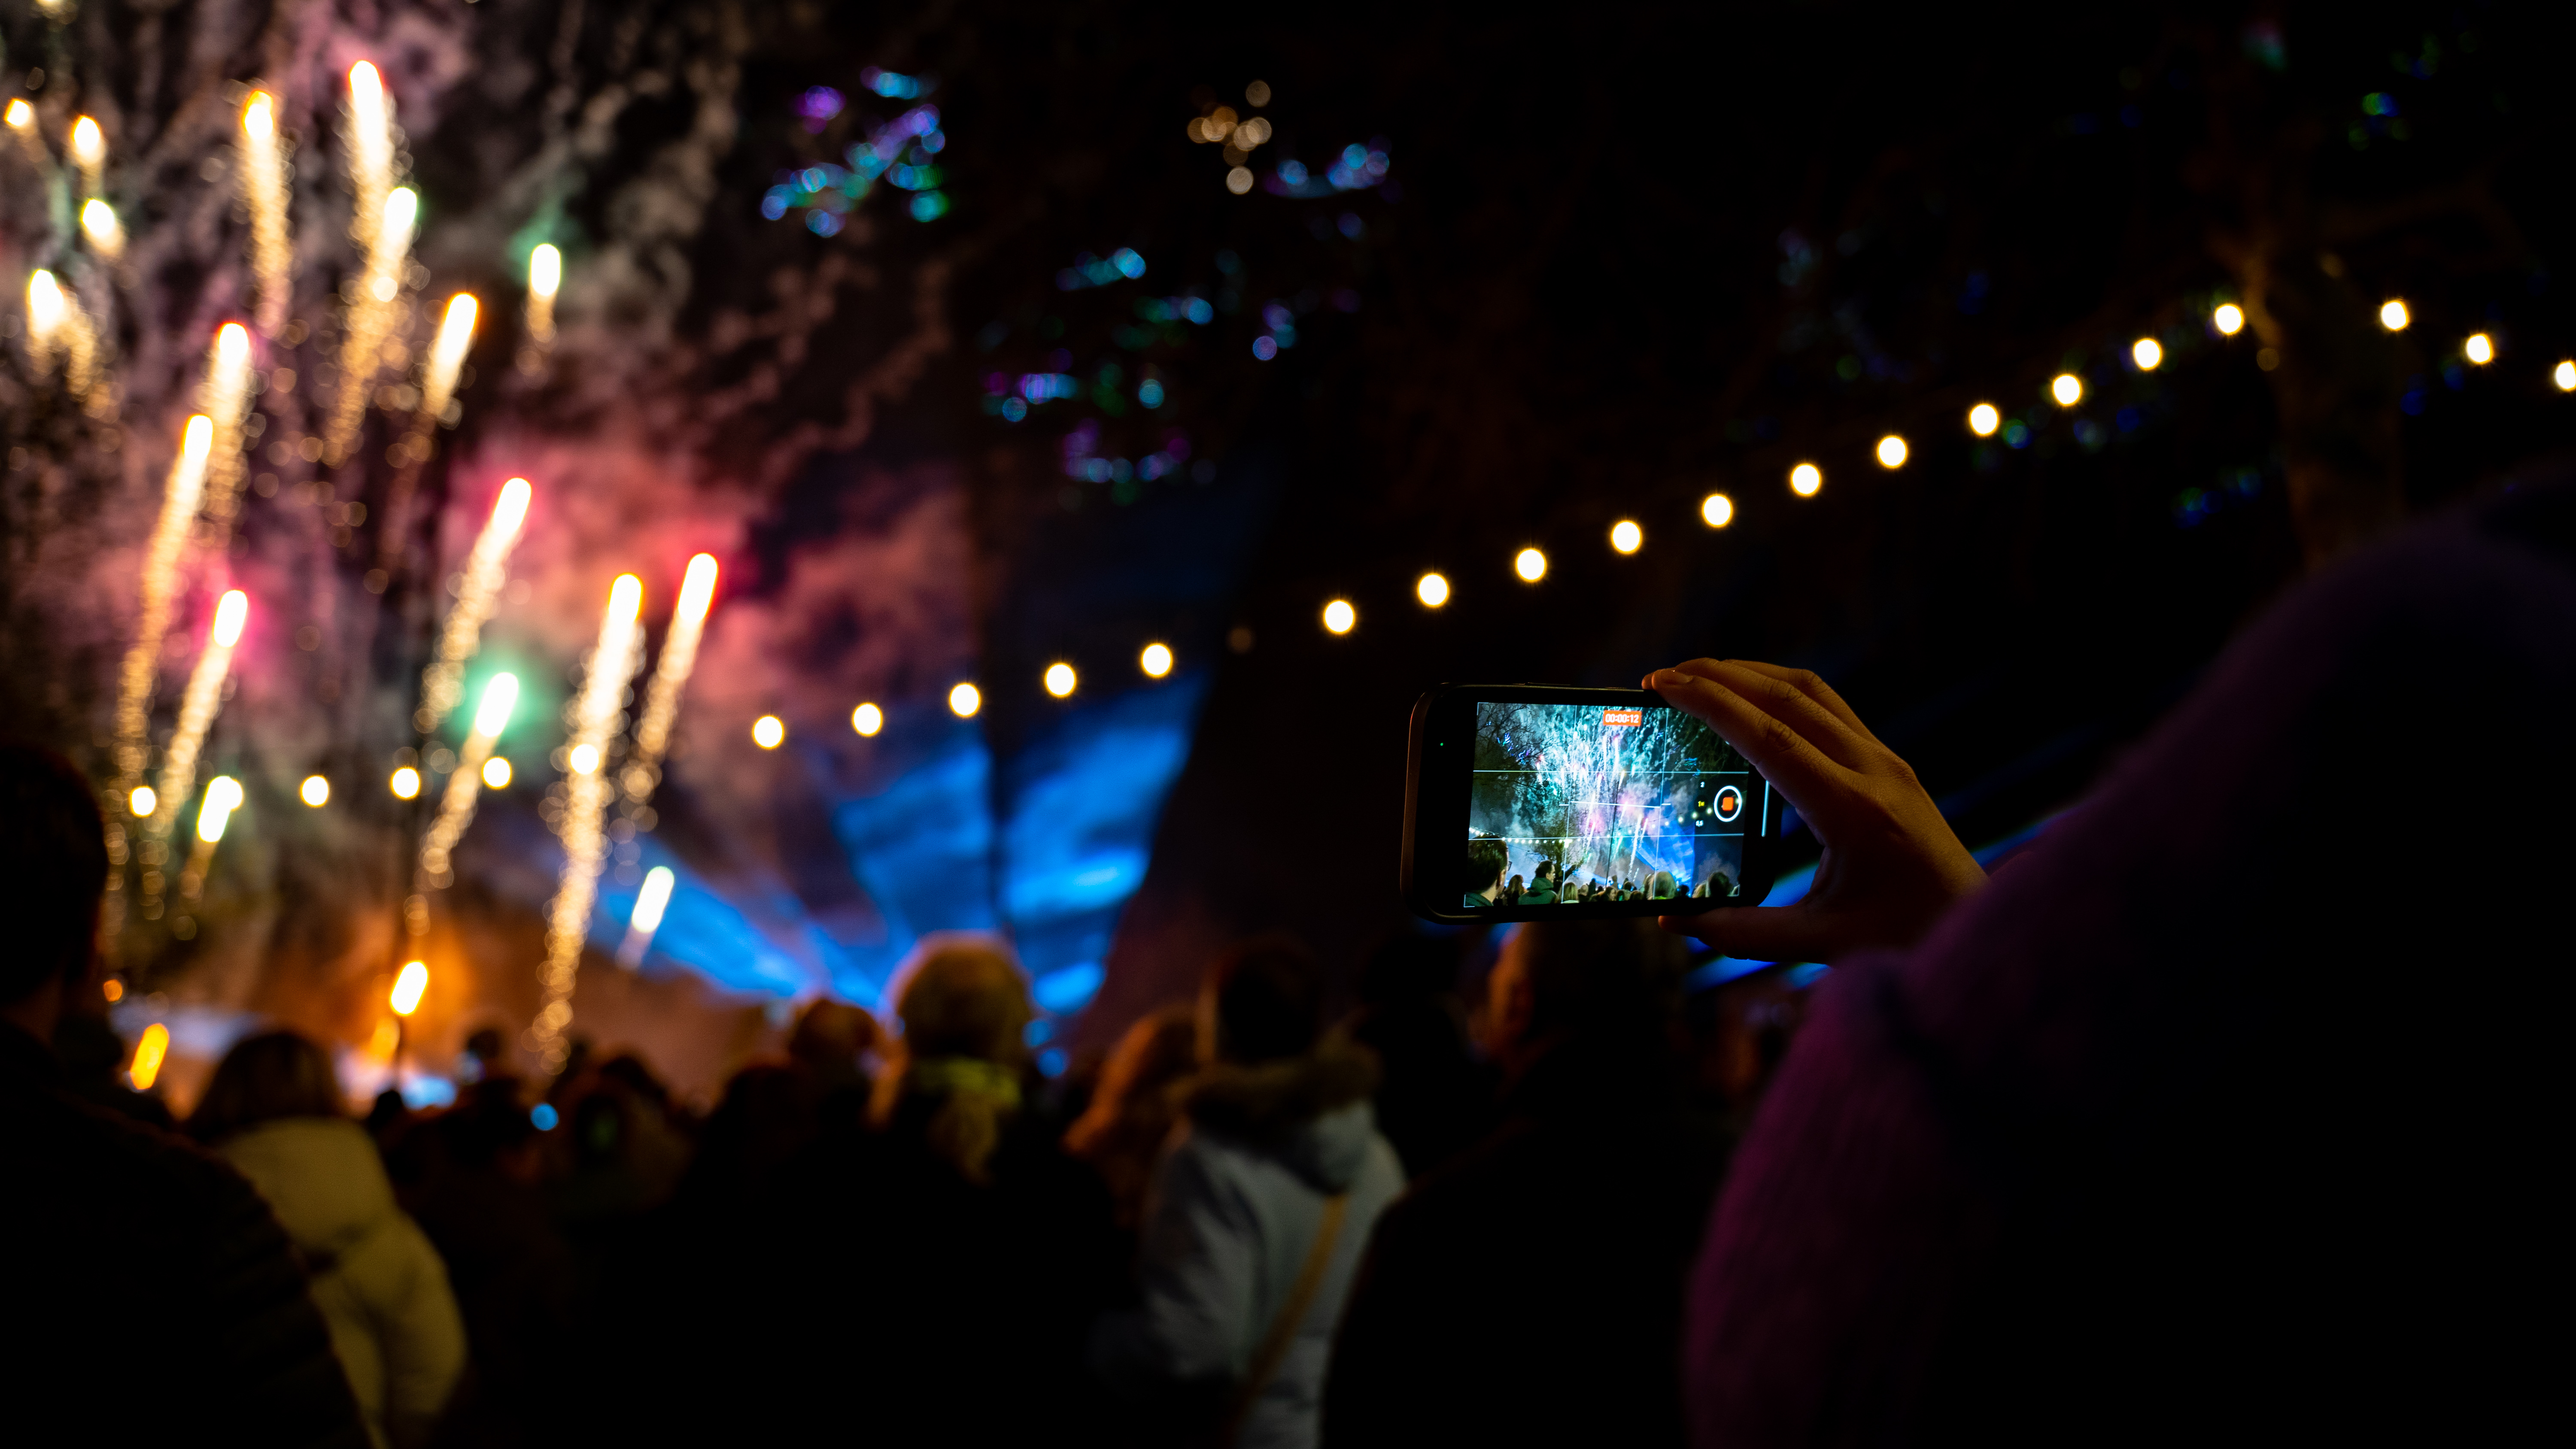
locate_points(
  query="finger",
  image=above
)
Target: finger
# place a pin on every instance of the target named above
(1804, 774)
(1785, 701)
(1762, 933)
(1810, 684)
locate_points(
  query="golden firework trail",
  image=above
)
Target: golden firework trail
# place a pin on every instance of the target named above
(456, 806)
(596, 722)
(670, 676)
(160, 589)
(442, 684)
(437, 390)
(263, 184)
(226, 399)
(56, 323)
(197, 713)
(382, 228)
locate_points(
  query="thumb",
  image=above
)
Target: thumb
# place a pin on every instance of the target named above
(1760, 933)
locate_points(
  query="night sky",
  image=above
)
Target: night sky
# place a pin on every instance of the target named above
(1053, 390)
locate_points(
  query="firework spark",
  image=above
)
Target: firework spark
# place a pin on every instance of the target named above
(263, 183)
(226, 399)
(22, 123)
(56, 323)
(545, 278)
(89, 153)
(106, 234)
(370, 131)
(442, 685)
(197, 713)
(456, 807)
(596, 722)
(223, 797)
(370, 321)
(670, 676)
(437, 391)
(160, 588)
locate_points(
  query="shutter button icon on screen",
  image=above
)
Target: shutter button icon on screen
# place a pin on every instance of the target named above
(1730, 803)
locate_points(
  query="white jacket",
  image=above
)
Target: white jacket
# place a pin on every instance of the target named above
(379, 1283)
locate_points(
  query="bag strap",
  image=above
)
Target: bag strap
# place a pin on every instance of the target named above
(1292, 1316)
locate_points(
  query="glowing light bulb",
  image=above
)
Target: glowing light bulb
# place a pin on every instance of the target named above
(2393, 315)
(582, 759)
(2564, 374)
(1806, 480)
(1530, 564)
(769, 732)
(545, 270)
(867, 719)
(1156, 661)
(316, 791)
(496, 773)
(2147, 353)
(1717, 510)
(89, 144)
(259, 116)
(1983, 419)
(1432, 589)
(148, 1052)
(405, 783)
(143, 801)
(410, 984)
(230, 615)
(964, 700)
(2229, 319)
(2480, 349)
(1626, 536)
(223, 797)
(1060, 679)
(99, 224)
(653, 900)
(1340, 617)
(2067, 388)
(1891, 451)
(500, 696)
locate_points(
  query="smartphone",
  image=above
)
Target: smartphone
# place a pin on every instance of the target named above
(1531, 802)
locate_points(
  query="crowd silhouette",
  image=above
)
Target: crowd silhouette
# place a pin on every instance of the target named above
(2078, 1153)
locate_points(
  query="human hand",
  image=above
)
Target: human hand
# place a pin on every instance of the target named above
(1891, 865)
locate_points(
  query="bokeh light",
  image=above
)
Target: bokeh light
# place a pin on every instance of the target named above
(148, 1052)
(405, 783)
(496, 773)
(410, 984)
(143, 801)
(2564, 374)
(1717, 510)
(769, 732)
(1060, 679)
(2229, 319)
(2393, 315)
(2067, 388)
(2480, 349)
(1530, 564)
(316, 791)
(1806, 480)
(582, 759)
(1340, 617)
(1626, 536)
(867, 719)
(964, 700)
(89, 146)
(1432, 589)
(1891, 451)
(1983, 419)
(545, 270)
(2147, 353)
(1156, 660)
(223, 797)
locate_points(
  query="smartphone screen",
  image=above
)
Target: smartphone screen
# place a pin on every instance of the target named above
(1576, 804)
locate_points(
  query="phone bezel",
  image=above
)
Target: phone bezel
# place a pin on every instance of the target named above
(1435, 797)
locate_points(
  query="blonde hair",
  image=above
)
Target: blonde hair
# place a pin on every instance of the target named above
(1131, 1109)
(965, 1013)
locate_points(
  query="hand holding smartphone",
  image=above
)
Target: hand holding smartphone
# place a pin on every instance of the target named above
(1538, 802)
